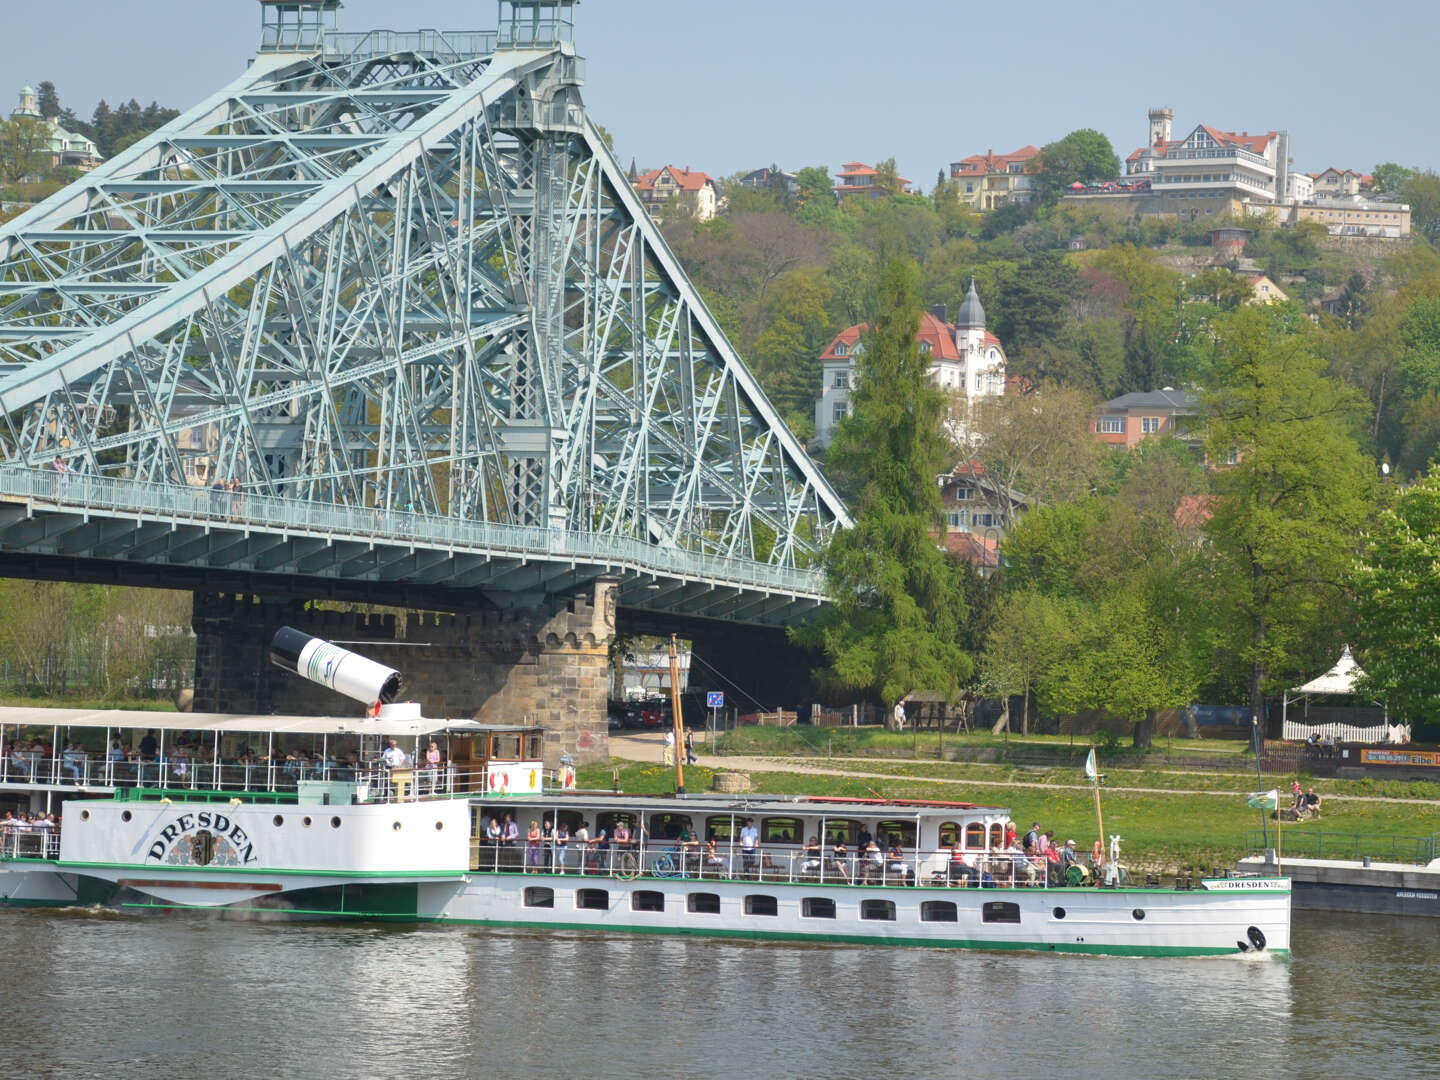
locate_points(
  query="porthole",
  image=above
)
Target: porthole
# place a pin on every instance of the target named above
(396, 826)
(1059, 913)
(1138, 914)
(439, 826)
(279, 820)
(334, 822)
(84, 815)
(306, 821)
(125, 815)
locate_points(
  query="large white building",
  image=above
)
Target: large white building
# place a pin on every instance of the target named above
(58, 146)
(964, 359)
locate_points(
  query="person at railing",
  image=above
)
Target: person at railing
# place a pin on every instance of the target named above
(840, 860)
(509, 832)
(492, 832)
(600, 851)
(749, 841)
(20, 763)
(532, 844)
(715, 862)
(960, 871)
(581, 836)
(562, 841)
(621, 836)
(895, 864)
(811, 863)
(547, 843)
(689, 848)
(73, 762)
(432, 767)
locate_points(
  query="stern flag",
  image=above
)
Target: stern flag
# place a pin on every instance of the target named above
(1264, 800)
(1090, 770)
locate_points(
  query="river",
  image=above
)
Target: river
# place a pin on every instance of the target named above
(97, 994)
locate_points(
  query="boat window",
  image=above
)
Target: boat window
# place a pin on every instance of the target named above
(571, 819)
(781, 830)
(939, 911)
(878, 909)
(905, 830)
(817, 907)
(647, 900)
(758, 904)
(532, 747)
(717, 827)
(668, 826)
(506, 747)
(949, 833)
(703, 903)
(997, 836)
(595, 899)
(1000, 911)
(539, 896)
(975, 835)
(840, 831)
(610, 819)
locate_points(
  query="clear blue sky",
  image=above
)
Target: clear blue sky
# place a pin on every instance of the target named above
(723, 86)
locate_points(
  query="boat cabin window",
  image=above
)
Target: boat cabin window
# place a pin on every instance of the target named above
(782, 830)
(841, 831)
(997, 836)
(949, 833)
(719, 827)
(668, 826)
(975, 835)
(571, 819)
(647, 900)
(532, 746)
(817, 907)
(505, 747)
(1001, 911)
(610, 819)
(757, 904)
(539, 896)
(888, 830)
(703, 903)
(595, 899)
(884, 910)
(938, 911)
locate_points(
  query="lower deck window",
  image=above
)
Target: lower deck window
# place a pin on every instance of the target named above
(939, 911)
(817, 907)
(539, 896)
(703, 903)
(758, 904)
(884, 910)
(593, 899)
(1000, 911)
(647, 900)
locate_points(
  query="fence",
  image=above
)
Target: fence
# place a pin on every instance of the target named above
(1346, 847)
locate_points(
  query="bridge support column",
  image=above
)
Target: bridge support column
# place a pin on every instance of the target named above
(546, 666)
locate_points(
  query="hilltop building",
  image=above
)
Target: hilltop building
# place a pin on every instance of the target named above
(658, 186)
(857, 178)
(965, 358)
(989, 181)
(56, 145)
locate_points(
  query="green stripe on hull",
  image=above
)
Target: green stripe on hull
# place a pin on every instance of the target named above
(153, 868)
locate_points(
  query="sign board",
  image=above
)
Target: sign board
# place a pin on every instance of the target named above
(714, 699)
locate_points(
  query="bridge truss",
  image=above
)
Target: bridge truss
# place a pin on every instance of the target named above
(399, 273)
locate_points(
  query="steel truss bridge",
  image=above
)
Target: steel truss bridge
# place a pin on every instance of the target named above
(395, 293)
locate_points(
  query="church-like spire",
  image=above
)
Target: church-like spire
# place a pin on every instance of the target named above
(972, 313)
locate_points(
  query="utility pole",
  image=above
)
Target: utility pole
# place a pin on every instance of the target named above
(675, 718)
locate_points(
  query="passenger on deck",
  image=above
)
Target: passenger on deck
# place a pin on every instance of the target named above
(622, 835)
(872, 863)
(19, 762)
(840, 861)
(749, 839)
(492, 832)
(432, 766)
(715, 862)
(863, 838)
(1032, 838)
(532, 843)
(960, 871)
(895, 864)
(509, 832)
(1012, 838)
(547, 842)
(74, 761)
(811, 863)
(581, 836)
(149, 747)
(562, 840)
(601, 846)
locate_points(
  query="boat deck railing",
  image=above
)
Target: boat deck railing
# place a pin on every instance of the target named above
(376, 782)
(29, 842)
(987, 870)
(1307, 843)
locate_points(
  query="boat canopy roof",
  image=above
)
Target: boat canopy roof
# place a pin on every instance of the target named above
(231, 722)
(756, 805)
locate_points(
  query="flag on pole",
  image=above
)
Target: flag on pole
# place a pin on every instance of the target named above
(1264, 800)
(1090, 770)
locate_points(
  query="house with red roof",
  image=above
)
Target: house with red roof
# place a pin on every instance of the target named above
(988, 181)
(857, 178)
(965, 359)
(979, 510)
(1336, 183)
(658, 186)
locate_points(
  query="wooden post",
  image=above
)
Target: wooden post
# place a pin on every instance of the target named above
(675, 719)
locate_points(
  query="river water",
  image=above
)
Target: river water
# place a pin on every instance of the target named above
(96, 994)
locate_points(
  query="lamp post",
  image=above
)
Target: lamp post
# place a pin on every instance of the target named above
(1255, 742)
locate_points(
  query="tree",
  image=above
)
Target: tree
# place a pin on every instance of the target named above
(898, 610)
(48, 100)
(1390, 178)
(813, 184)
(1287, 521)
(1398, 604)
(1032, 632)
(24, 149)
(887, 177)
(1084, 155)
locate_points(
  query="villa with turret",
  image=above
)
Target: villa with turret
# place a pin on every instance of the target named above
(61, 147)
(965, 360)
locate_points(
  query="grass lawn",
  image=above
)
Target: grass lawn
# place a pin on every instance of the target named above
(1161, 832)
(875, 740)
(94, 704)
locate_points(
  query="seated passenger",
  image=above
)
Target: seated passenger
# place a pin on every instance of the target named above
(840, 861)
(811, 862)
(895, 864)
(74, 761)
(715, 862)
(19, 762)
(960, 871)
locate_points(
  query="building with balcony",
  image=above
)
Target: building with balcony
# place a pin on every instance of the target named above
(979, 510)
(965, 359)
(1356, 215)
(53, 145)
(857, 178)
(989, 181)
(1336, 183)
(658, 186)
(1123, 422)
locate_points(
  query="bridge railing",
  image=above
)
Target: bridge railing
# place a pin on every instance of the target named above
(84, 493)
(444, 46)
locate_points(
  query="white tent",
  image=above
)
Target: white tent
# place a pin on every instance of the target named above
(1339, 680)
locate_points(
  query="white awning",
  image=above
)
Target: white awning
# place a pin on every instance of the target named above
(1340, 679)
(126, 719)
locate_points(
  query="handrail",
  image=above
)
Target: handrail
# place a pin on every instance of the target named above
(84, 492)
(1345, 847)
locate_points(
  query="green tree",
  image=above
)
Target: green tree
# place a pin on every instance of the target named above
(898, 611)
(47, 100)
(1398, 604)
(1031, 634)
(1390, 178)
(1287, 521)
(1084, 155)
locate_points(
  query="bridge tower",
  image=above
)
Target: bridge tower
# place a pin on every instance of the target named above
(382, 320)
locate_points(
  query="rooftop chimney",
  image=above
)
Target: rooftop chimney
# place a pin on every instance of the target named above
(941, 312)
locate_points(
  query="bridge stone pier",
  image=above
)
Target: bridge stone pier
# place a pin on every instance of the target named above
(546, 666)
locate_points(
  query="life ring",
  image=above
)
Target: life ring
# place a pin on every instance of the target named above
(1097, 854)
(504, 783)
(567, 777)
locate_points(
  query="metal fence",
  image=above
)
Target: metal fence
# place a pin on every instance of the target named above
(1346, 847)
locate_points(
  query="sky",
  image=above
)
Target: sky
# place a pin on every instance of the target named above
(729, 85)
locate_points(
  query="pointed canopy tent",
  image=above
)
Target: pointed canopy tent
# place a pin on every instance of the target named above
(1340, 680)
